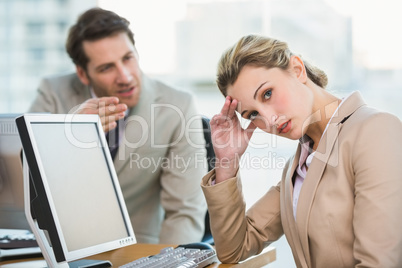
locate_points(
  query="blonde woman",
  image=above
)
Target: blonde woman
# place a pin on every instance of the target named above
(339, 201)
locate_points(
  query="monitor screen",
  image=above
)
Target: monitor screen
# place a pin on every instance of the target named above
(12, 214)
(77, 197)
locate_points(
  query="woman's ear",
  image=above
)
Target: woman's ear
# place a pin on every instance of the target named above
(297, 66)
(82, 75)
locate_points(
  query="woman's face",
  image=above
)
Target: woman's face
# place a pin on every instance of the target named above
(275, 100)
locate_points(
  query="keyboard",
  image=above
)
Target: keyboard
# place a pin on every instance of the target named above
(18, 243)
(179, 257)
(17, 239)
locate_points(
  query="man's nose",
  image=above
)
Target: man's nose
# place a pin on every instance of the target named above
(124, 76)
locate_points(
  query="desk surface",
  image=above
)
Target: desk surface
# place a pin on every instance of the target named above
(127, 254)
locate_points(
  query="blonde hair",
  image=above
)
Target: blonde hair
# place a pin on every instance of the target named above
(259, 51)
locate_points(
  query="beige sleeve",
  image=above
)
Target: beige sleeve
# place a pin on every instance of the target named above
(239, 234)
(377, 217)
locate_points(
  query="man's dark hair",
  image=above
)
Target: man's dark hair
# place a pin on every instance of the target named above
(92, 25)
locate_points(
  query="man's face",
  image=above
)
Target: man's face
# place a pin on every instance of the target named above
(113, 68)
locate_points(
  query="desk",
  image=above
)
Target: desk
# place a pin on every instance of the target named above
(127, 254)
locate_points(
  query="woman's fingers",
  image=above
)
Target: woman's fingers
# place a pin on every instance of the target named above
(225, 107)
(232, 109)
(228, 110)
(224, 111)
(214, 120)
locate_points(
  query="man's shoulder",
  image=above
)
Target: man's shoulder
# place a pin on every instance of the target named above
(168, 94)
(61, 78)
(63, 84)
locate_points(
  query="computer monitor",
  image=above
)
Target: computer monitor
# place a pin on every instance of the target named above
(76, 206)
(12, 215)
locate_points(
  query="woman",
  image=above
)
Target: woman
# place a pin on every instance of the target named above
(339, 202)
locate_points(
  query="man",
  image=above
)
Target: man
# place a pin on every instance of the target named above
(160, 158)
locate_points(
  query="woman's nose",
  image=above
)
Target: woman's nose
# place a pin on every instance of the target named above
(268, 119)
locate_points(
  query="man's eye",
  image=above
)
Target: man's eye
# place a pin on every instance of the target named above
(268, 94)
(128, 57)
(105, 68)
(252, 115)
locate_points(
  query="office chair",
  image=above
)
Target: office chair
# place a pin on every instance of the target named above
(207, 238)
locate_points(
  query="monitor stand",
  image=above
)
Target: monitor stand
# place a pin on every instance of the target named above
(47, 252)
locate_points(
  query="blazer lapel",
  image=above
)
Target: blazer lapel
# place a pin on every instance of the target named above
(314, 175)
(288, 221)
(328, 146)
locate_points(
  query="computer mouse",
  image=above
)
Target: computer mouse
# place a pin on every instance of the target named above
(197, 245)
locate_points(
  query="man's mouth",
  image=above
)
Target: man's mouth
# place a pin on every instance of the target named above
(126, 92)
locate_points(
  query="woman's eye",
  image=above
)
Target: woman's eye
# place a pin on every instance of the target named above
(267, 94)
(252, 115)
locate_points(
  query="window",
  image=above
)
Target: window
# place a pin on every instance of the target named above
(34, 28)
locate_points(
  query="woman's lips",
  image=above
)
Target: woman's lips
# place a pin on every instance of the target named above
(285, 127)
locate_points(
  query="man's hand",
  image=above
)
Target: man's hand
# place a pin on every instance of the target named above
(108, 108)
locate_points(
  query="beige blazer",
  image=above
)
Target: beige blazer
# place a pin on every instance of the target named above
(349, 211)
(160, 183)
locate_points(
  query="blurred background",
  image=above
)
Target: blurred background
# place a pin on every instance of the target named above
(356, 42)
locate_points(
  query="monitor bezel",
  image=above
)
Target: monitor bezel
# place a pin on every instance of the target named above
(39, 179)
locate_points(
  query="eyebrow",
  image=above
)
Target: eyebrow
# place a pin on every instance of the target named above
(112, 63)
(255, 95)
(100, 67)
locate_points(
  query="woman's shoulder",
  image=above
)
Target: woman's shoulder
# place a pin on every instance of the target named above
(369, 117)
(370, 129)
